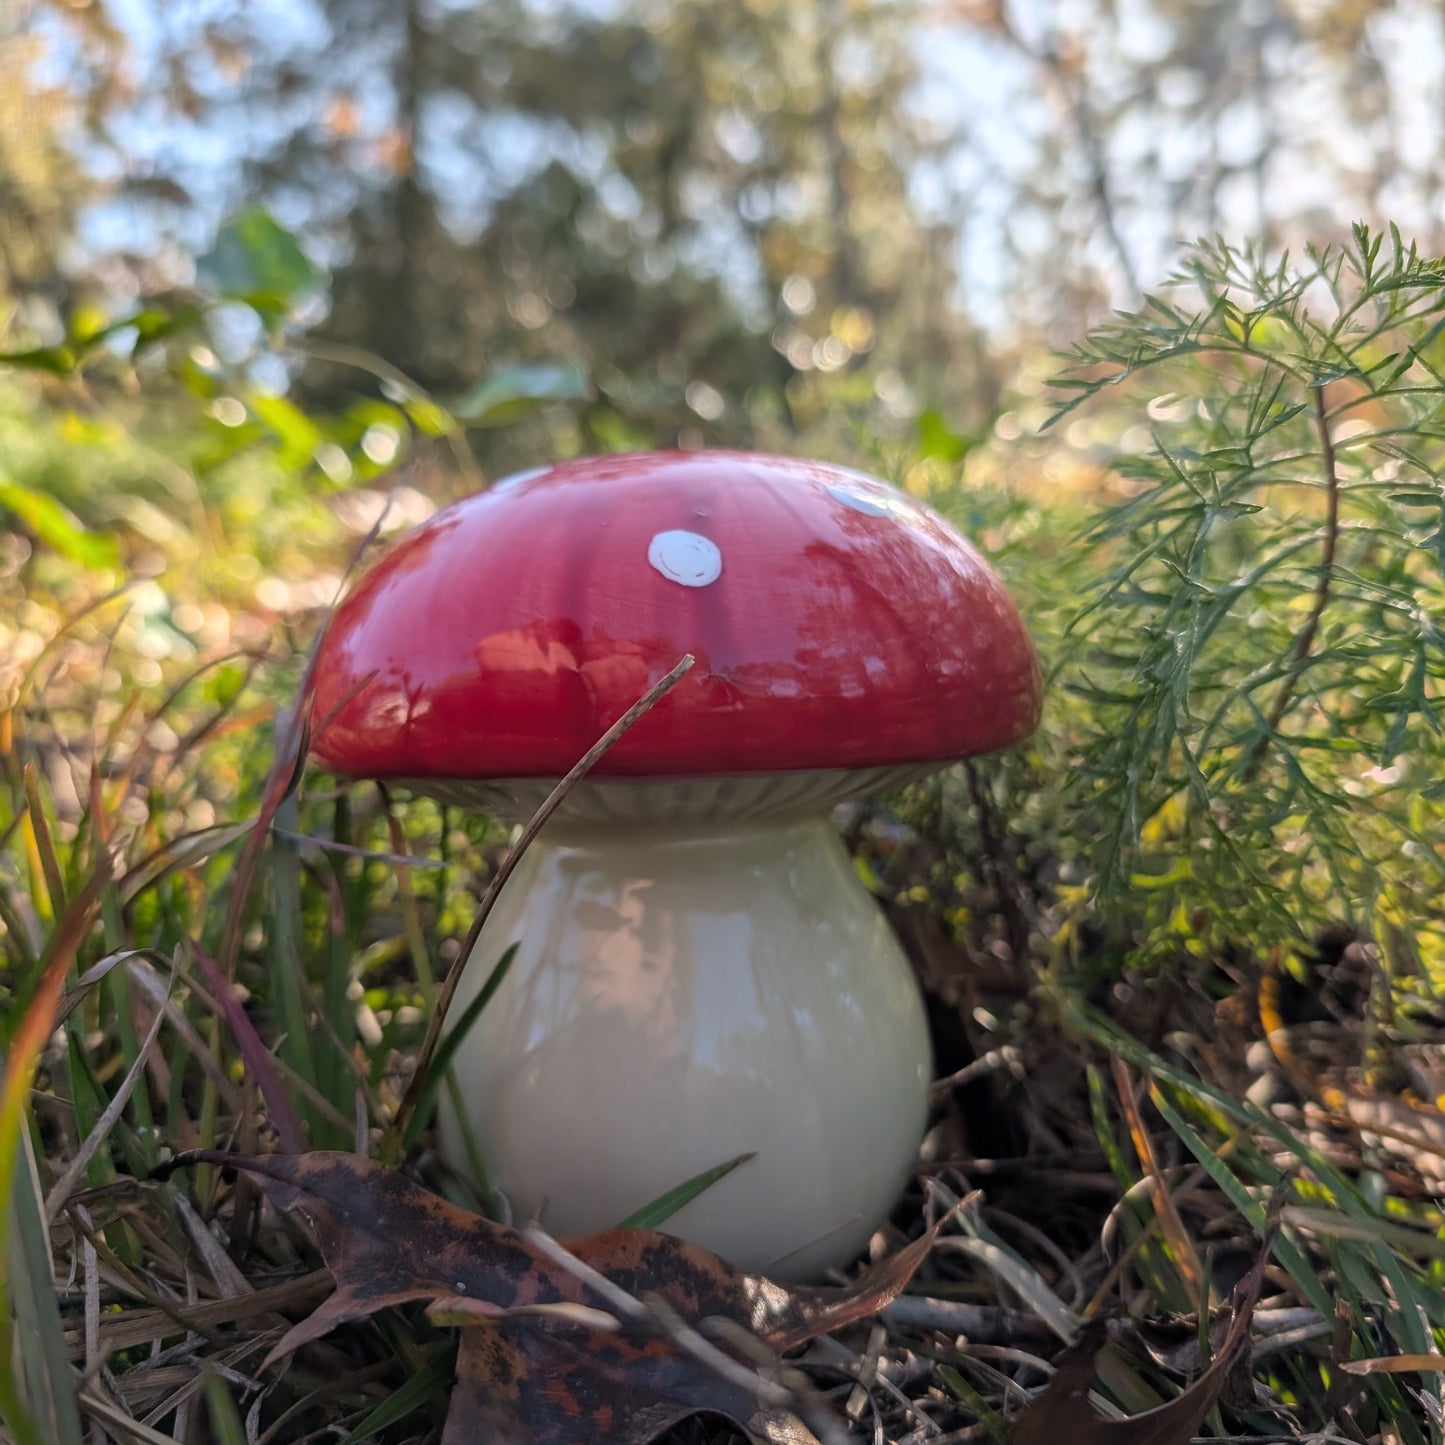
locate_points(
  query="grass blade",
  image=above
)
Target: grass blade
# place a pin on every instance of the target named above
(446, 1050)
(653, 1215)
(411, 1396)
(50, 1383)
(26, 1043)
(256, 1056)
(225, 1419)
(65, 1185)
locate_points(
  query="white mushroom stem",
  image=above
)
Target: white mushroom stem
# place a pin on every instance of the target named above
(683, 994)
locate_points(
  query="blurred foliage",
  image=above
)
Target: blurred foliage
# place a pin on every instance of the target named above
(697, 198)
(724, 214)
(722, 208)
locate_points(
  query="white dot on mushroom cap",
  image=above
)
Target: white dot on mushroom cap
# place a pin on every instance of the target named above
(685, 557)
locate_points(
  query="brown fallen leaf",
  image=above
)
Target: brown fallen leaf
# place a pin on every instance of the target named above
(615, 1337)
(1063, 1411)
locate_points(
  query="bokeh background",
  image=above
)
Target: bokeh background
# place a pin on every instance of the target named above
(744, 221)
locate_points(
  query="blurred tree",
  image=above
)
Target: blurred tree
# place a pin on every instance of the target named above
(735, 215)
(695, 200)
(1279, 120)
(50, 89)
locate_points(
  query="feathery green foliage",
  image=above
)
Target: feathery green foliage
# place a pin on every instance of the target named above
(1261, 666)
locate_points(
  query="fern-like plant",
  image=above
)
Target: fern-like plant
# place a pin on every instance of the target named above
(1262, 666)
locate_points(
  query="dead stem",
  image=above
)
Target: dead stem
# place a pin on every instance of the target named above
(1016, 925)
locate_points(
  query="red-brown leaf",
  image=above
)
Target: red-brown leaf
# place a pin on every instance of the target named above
(549, 1378)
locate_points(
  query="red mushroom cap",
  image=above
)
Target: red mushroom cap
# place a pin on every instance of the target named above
(836, 623)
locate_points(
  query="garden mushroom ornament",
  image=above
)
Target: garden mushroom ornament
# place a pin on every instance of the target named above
(699, 972)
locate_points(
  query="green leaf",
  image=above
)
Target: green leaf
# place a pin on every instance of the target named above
(87, 323)
(57, 526)
(428, 418)
(940, 442)
(988, 1417)
(652, 1216)
(1179, 872)
(155, 324)
(221, 687)
(256, 260)
(88, 332)
(367, 412)
(519, 389)
(298, 436)
(57, 360)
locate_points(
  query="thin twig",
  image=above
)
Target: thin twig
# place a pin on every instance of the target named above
(1008, 1056)
(397, 1132)
(372, 855)
(658, 1316)
(1015, 923)
(871, 1372)
(687, 1340)
(340, 353)
(983, 1324)
(1304, 643)
(1072, 87)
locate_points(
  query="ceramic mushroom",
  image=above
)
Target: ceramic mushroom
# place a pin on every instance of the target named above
(699, 973)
